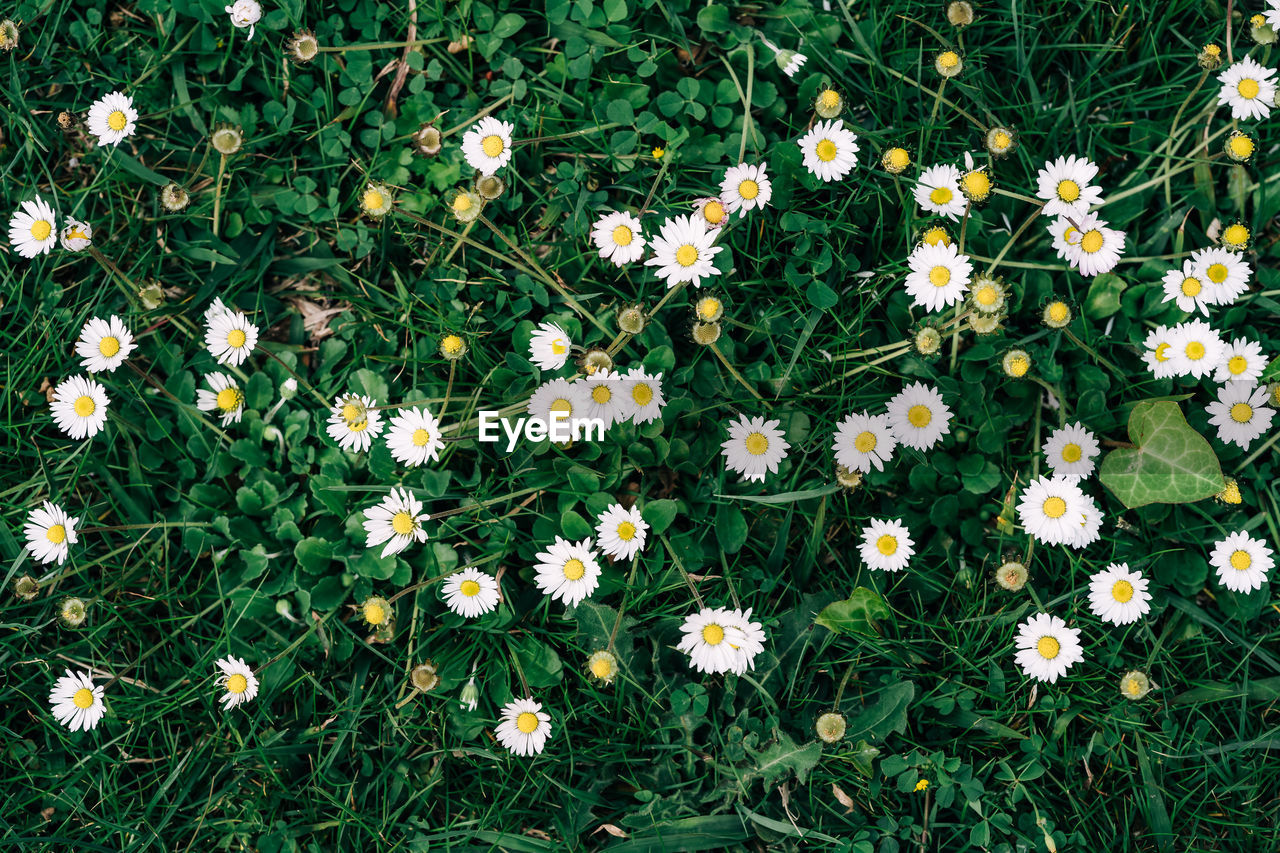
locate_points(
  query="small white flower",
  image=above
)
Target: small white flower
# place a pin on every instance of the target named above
(79, 407)
(112, 118)
(524, 727)
(50, 533)
(886, 545)
(939, 275)
(1094, 248)
(104, 344)
(487, 145)
(829, 150)
(1065, 185)
(225, 398)
(746, 188)
(863, 441)
(1272, 13)
(1090, 529)
(1047, 648)
(354, 422)
(1188, 289)
(712, 212)
(938, 191)
(470, 592)
(549, 347)
(1248, 88)
(1118, 595)
(683, 251)
(1242, 361)
(75, 236)
(755, 447)
(238, 680)
(245, 13)
(606, 397)
(1052, 510)
(721, 640)
(1070, 451)
(620, 532)
(230, 337)
(1240, 413)
(32, 228)
(1242, 562)
(646, 395)
(77, 704)
(1225, 274)
(1158, 352)
(918, 417)
(618, 238)
(793, 62)
(1196, 349)
(565, 399)
(414, 437)
(568, 571)
(397, 520)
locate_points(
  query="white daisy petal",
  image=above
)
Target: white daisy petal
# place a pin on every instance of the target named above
(721, 640)
(683, 251)
(33, 228)
(79, 407)
(549, 347)
(886, 545)
(1240, 413)
(397, 521)
(618, 238)
(746, 188)
(112, 119)
(1069, 452)
(568, 571)
(76, 702)
(918, 417)
(938, 191)
(1118, 595)
(1065, 185)
(104, 344)
(1242, 562)
(755, 447)
(1052, 510)
(50, 533)
(1047, 648)
(354, 422)
(487, 145)
(863, 441)
(1248, 88)
(524, 727)
(238, 682)
(829, 150)
(414, 437)
(225, 398)
(230, 337)
(621, 533)
(939, 276)
(470, 592)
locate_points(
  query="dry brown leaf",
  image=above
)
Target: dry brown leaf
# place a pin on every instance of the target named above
(611, 829)
(316, 317)
(843, 798)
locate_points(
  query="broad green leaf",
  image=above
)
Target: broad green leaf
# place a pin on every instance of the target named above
(1261, 690)
(540, 663)
(862, 755)
(574, 526)
(784, 758)
(886, 715)
(659, 514)
(731, 528)
(859, 612)
(314, 555)
(1172, 463)
(1103, 299)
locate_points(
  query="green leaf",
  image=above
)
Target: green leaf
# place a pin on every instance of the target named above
(1172, 463)
(574, 526)
(659, 514)
(886, 715)
(859, 612)
(784, 758)
(508, 25)
(313, 554)
(818, 294)
(540, 663)
(862, 756)
(786, 497)
(731, 528)
(687, 835)
(1103, 299)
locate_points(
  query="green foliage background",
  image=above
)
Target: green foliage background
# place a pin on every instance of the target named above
(327, 758)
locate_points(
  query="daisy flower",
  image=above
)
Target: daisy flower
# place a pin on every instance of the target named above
(414, 438)
(1242, 362)
(646, 395)
(524, 727)
(1272, 13)
(1196, 349)
(1065, 186)
(238, 680)
(75, 236)
(896, 160)
(1240, 413)
(549, 347)
(918, 417)
(755, 447)
(1052, 510)
(790, 61)
(559, 397)
(682, 251)
(226, 398)
(31, 228)
(1097, 249)
(1047, 648)
(606, 397)
(711, 211)
(620, 532)
(487, 145)
(618, 238)
(79, 407)
(77, 704)
(1070, 450)
(50, 533)
(886, 545)
(1158, 352)
(397, 520)
(230, 336)
(112, 119)
(829, 150)
(1090, 529)
(863, 441)
(938, 191)
(104, 344)
(1242, 562)
(1118, 595)
(1225, 274)
(470, 592)
(1248, 88)
(354, 422)
(568, 571)
(939, 276)
(721, 640)
(746, 188)
(603, 666)
(1187, 289)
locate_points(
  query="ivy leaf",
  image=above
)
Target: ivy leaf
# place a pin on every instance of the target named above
(1172, 463)
(859, 612)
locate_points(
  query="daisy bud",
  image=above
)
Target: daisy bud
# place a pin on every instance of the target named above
(896, 160)
(595, 359)
(466, 206)
(848, 478)
(1240, 146)
(75, 236)
(706, 334)
(72, 612)
(1135, 685)
(8, 35)
(959, 14)
(828, 104)
(245, 14)
(1230, 493)
(428, 141)
(790, 61)
(227, 139)
(1209, 57)
(1057, 314)
(271, 432)
(603, 667)
(936, 235)
(174, 198)
(1261, 31)
(985, 324)
(976, 185)
(425, 676)
(1016, 363)
(987, 294)
(376, 612)
(151, 296)
(927, 341)
(302, 48)
(1012, 575)
(1235, 237)
(948, 63)
(830, 727)
(709, 309)
(469, 698)
(453, 347)
(288, 389)
(26, 588)
(376, 200)
(490, 187)
(1000, 141)
(631, 319)
(711, 211)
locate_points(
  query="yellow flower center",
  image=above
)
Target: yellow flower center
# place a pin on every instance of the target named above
(56, 534)
(469, 588)
(977, 184)
(939, 276)
(713, 635)
(622, 236)
(919, 415)
(708, 308)
(940, 195)
(83, 698)
(1248, 88)
(687, 255)
(626, 531)
(830, 99)
(403, 523)
(85, 406)
(1240, 560)
(985, 295)
(562, 405)
(1091, 241)
(887, 545)
(492, 145)
(1048, 647)
(937, 235)
(1122, 591)
(826, 150)
(452, 344)
(1071, 453)
(559, 346)
(1237, 365)
(1217, 273)
(1055, 507)
(375, 614)
(117, 120)
(1132, 686)
(865, 442)
(1018, 365)
(421, 438)
(373, 200)
(574, 569)
(1195, 350)
(1191, 287)
(41, 229)
(527, 722)
(757, 444)
(1241, 146)
(642, 394)
(714, 212)
(108, 346)
(1160, 352)
(897, 159)
(748, 189)
(237, 683)
(601, 668)
(601, 394)
(949, 59)
(462, 203)
(1235, 235)
(1241, 413)
(228, 399)
(1058, 312)
(1068, 190)
(236, 338)
(1001, 141)
(351, 413)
